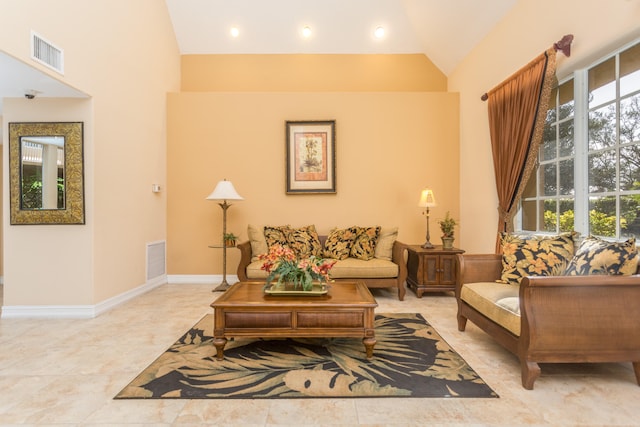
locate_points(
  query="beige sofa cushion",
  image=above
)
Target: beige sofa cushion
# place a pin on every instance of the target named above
(349, 268)
(386, 239)
(484, 296)
(258, 242)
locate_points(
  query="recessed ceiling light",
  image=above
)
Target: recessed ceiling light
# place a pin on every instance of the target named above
(235, 32)
(379, 32)
(306, 31)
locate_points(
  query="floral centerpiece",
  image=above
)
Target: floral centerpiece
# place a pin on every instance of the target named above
(282, 262)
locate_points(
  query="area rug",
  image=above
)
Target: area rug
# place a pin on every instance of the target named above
(410, 360)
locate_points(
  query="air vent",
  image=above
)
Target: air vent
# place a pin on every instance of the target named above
(46, 53)
(156, 259)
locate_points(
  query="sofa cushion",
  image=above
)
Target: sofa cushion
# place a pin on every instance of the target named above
(597, 256)
(483, 296)
(258, 242)
(305, 242)
(339, 242)
(364, 245)
(344, 269)
(534, 256)
(277, 235)
(386, 239)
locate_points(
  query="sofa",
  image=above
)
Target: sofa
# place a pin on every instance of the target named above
(579, 310)
(384, 267)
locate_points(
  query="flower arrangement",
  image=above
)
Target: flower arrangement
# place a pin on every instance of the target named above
(447, 225)
(283, 263)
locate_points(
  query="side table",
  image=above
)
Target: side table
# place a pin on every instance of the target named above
(431, 270)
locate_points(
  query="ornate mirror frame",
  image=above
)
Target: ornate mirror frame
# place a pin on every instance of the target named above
(73, 210)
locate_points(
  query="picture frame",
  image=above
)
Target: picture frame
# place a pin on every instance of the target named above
(310, 157)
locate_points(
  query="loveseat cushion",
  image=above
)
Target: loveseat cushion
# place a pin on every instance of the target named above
(339, 242)
(386, 239)
(304, 241)
(348, 268)
(364, 245)
(258, 242)
(598, 256)
(484, 297)
(534, 256)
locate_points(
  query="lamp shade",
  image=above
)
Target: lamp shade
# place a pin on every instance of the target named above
(427, 199)
(224, 191)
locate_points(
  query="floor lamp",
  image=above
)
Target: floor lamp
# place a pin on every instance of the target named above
(427, 200)
(224, 191)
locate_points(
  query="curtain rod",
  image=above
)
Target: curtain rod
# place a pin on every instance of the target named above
(563, 45)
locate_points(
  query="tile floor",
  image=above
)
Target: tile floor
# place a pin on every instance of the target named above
(66, 372)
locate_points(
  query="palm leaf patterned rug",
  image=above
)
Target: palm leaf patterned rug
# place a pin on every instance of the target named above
(410, 360)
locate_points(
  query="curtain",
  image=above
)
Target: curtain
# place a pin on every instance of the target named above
(517, 110)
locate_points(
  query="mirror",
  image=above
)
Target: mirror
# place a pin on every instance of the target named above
(46, 173)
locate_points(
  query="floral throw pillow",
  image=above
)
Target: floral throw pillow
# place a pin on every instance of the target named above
(364, 245)
(534, 256)
(305, 242)
(597, 256)
(339, 242)
(277, 235)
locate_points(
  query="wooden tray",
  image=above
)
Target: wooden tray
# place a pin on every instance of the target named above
(317, 290)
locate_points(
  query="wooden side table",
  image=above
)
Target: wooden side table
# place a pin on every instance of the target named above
(431, 270)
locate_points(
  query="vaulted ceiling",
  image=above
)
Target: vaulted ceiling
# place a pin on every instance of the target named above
(444, 30)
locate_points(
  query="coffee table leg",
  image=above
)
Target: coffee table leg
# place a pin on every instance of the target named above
(219, 343)
(369, 342)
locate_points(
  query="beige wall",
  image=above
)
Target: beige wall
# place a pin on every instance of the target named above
(525, 32)
(389, 145)
(127, 74)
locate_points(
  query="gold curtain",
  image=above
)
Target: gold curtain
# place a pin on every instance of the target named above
(517, 111)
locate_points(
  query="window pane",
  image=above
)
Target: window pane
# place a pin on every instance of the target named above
(630, 167)
(602, 127)
(529, 215)
(566, 99)
(602, 83)
(566, 177)
(550, 217)
(630, 70)
(602, 216)
(548, 183)
(630, 118)
(548, 148)
(566, 138)
(630, 211)
(530, 189)
(566, 214)
(602, 172)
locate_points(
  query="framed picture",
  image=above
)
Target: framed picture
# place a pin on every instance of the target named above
(311, 157)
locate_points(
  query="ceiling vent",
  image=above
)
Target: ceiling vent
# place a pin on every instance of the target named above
(46, 53)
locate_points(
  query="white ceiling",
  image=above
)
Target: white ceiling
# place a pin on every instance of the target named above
(444, 30)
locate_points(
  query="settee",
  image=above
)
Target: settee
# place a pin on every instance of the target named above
(385, 268)
(554, 318)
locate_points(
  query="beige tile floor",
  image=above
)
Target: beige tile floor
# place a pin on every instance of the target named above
(66, 372)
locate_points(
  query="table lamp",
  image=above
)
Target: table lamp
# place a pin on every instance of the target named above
(427, 200)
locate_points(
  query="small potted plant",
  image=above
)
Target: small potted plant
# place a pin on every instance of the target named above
(447, 226)
(230, 239)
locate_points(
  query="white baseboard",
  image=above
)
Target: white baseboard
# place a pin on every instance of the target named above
(207, 279)
(78, 311)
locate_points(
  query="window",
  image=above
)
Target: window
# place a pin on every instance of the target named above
(588, 175)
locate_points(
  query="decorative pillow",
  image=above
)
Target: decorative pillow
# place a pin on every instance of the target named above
(339, 242)
(305, 242)
(364, 245)
(384, 246)
(534, 256)
(597, 256)
(257, 240)
(277, 235)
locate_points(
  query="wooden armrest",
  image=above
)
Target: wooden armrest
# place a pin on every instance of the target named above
(245, 260)
(472, 268)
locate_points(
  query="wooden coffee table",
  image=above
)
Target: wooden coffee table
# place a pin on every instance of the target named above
(244, 310)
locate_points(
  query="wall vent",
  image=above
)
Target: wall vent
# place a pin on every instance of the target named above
(47, 53)
(156, 259)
